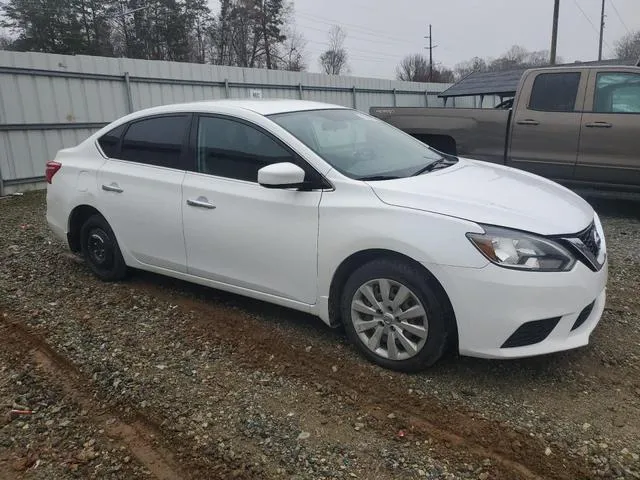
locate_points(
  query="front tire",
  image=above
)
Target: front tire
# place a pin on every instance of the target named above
(394, 316)
(101, 251)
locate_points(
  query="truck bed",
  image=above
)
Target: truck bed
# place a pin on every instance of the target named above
(479, 133)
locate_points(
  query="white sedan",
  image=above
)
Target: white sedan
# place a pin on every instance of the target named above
(329, 211)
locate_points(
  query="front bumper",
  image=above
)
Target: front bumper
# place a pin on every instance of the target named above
(492, 303)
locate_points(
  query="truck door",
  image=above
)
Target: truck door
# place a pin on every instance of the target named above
(545, 128)
(609, 150)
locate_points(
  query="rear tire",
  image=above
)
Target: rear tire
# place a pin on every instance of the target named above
(408, 336)
(101, 251)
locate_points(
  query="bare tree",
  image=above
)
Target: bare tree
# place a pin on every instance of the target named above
(628, 47)
(413, 68)
(476, 64)
(520, 57)
(334, 59)
(293, 56)
(515, 57)
(442, 75)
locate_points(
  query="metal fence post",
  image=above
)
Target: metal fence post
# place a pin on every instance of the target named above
(355, 103)
(1, 185)
(127, 83)
(300, 91)
(226, 87)
(395, 98)
(426, 98)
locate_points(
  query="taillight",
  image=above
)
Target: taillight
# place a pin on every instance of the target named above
(52, 168)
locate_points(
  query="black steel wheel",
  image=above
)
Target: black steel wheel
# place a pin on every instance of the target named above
(100, 249)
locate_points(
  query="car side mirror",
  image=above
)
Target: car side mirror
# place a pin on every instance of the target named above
(281, 175)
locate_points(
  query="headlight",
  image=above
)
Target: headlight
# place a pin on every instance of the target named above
(603, 244)
(513, 249)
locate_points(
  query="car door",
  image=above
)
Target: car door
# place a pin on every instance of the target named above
(546, 124)
(238, 232)
(609, 143)
(140, 189)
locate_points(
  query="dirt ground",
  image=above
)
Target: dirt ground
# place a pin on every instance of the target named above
(157, 378)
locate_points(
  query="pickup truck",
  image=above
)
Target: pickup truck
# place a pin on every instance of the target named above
(577, 125)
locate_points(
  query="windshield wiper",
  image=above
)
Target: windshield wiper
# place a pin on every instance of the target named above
(372, 178)
(440, 163)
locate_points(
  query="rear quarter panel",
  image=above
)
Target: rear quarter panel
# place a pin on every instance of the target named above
(73, 185)
(478, 133)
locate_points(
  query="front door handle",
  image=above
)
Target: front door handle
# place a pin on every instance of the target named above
(112, 188)
(201, 202)
(528, 121)
(598, 125)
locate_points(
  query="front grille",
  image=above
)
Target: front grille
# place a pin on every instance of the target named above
(531, 332)
(584, 314)
(586, 245)
(589, 237)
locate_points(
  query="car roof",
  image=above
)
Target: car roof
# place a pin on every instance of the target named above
(262, 107)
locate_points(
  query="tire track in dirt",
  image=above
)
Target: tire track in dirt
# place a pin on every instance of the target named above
(458, 433)
(141, 437)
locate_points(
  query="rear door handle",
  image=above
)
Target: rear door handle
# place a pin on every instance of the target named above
(112, 188)
(528, 121)
(201, 202)
(598, 125)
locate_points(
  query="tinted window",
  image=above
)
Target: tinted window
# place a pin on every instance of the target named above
(109, 141)
(617, 93)
(231, 149)
(155, 141)
(555, 92)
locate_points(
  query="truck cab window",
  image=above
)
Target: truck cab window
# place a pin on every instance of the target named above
(555, 92)
(617, 93)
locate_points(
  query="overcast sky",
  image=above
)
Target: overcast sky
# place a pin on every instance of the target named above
(381, 32)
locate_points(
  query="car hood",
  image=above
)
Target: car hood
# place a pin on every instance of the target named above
(492, 194)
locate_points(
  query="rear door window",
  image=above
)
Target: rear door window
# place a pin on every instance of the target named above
(156, 141)
(555, 92)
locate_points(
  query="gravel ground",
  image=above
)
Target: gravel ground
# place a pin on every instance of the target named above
(157, 378)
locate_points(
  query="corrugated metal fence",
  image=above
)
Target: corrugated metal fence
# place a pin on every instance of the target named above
(48, 102)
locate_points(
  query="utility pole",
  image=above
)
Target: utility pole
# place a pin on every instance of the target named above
(601, 32)
(430, 47)
(554, 33)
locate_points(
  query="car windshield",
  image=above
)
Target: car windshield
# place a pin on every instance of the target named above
(358, 145)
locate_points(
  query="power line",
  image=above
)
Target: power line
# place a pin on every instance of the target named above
(613, 5)
(363, 30)
(356, 57)
(348, 49)
(349, 35)
(585, 15)
(596, 29)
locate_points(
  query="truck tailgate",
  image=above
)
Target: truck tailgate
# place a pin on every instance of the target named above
(478, 133)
